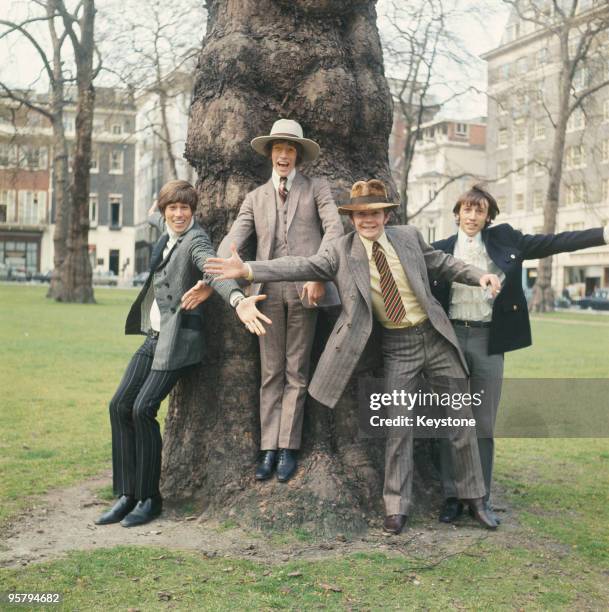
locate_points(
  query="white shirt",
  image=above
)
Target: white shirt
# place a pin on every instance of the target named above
(276, 178)
(469, 303)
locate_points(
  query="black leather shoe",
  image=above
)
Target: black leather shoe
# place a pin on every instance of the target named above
(265, 467)
(478, 511)
(145, 511)
(286, 464)
(118, 512)
(489, 511)
(451, 510)
(394, 523)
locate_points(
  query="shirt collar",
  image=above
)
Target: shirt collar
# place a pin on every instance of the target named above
(382, 240)
(173, 236)
(464, 239)
(275, 177)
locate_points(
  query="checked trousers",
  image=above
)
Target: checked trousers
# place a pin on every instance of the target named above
(136, 435)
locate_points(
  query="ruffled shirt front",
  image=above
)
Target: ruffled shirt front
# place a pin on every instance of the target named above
(469, 303)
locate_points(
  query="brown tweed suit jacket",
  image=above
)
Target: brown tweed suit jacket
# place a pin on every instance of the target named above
(344, 260)
(312, 221)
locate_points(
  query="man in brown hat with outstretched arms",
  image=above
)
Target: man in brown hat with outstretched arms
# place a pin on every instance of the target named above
(291, 214)
(382, 273)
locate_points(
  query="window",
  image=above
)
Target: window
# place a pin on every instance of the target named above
(519, 201)
(538, 200)
(575, 194)
(502, 170)
(93, 207)
(521, 65)
(605, 190)
(520, 166)
(541, 56)
(577, 120)
(580, 79)
(576, 157)
(98, 125)
(501, 203)
(574, 227)
(540, 130)
(8, 155)
(68, 122)
(520, 133)
(505, 71)
(540, 169)
(606, 111)
(32, 206)
(431, 234)
(502, 138)
(33, 158)
(605, 151)
(94, 164)
(115, 212)
(116, 162)
(461, 129)
(7, 206)
(117, 128)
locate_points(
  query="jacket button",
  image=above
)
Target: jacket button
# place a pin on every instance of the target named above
(167, 285)
(172, 310)
(435, 283)
(352, 297)
(514, 307)
(338, 348)
(349, 325)
(512, 256)
(169, 298)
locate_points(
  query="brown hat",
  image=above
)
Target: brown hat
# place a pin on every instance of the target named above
(367, 195)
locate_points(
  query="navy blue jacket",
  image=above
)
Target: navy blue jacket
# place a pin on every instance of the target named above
(508, 248)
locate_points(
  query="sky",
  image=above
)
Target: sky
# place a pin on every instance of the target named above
(20, 65)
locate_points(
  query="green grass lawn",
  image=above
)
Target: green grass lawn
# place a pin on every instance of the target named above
(60, 366)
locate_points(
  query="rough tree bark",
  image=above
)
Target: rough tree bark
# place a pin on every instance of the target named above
(318, 62)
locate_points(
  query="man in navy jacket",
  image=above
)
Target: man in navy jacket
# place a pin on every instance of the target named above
(486, 329)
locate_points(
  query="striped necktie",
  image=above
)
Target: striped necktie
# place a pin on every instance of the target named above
(283, 189)
(394, 307)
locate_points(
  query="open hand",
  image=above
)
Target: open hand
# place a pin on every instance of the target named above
(250, 316)
(196, 295)
(314, 291)
(224, 269)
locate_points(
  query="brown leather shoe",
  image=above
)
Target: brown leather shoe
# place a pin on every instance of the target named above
(479, 512)
(394, 523)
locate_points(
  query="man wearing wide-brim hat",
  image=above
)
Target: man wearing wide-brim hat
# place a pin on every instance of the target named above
(382, 274)
(291, 214)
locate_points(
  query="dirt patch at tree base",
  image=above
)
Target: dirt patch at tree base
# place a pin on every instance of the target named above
(63, 520)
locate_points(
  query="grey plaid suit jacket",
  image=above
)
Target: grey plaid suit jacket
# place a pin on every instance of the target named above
(181, 341)
(345, 261)
(312, 221)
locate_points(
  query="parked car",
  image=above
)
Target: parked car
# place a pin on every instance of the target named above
(105, 277)
(140, 279)
(18, 274)
(42, 277)
(599, 300)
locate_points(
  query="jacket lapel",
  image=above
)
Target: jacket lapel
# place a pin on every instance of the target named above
(360, 268)
(157, 252)
(270, 209)
(293, 197)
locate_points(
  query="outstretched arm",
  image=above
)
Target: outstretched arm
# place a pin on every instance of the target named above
(322, 266)
(534, 246)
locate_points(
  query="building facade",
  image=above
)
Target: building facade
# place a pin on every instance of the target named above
(523, 75)
(158, 130)
(25, 186)
(449, 157)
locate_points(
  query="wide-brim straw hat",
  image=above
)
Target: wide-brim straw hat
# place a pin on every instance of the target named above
(287, 129)
(367, 195)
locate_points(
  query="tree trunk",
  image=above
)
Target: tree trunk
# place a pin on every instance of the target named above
(320, 63)
(76, 274)
(543, 294)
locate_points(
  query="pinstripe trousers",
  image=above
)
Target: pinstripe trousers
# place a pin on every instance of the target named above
(136, 435)
(409, 354)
